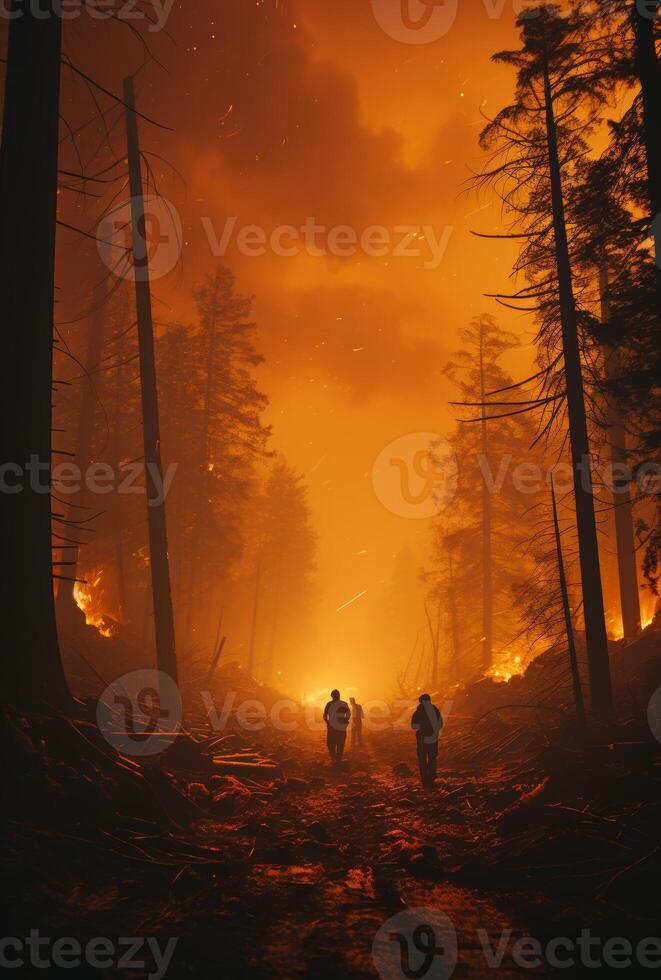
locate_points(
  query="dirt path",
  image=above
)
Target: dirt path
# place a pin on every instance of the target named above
(318, 865)
(286, 878)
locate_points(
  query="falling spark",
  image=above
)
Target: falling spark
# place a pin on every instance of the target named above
(349, 601)
(477, 210)
(317, 464)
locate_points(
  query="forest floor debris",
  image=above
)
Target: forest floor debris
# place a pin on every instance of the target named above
(254, 852)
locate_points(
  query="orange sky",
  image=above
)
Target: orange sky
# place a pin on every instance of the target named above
(282, 113)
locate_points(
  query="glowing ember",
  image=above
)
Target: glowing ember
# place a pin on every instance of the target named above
(614, 625)
(647, 609)
(87, 599)
(508, 666)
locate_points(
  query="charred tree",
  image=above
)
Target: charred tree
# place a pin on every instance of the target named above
(487, 557)
(250, 665)
(203, 495)
(275, 619)
(644, 17)
(623, 506)
(593, 603)
(435, 638)
(566, 609)
(158, 545)
(117, 511)
(30, 668)
(454, 618)
(68, 614)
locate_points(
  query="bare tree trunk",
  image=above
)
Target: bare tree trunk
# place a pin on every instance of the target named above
(68, 613)
(250, 666)
(30, 667)
(487, 557)
(437, 644)
(593, 603)
(117, 512)
(622, 503)
(204, 476)
(147, 616)
(454, 622)
(158, 542)
(269, 673)
(571, 646)
(435, 637)
(644, 17)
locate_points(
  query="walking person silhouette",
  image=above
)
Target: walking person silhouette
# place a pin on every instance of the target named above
(337, 716)
(357, 714)
(427, 723)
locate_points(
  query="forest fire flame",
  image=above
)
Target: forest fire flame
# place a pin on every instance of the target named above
(87, 599)
(647, 613)
(508, 666)
(647, 609)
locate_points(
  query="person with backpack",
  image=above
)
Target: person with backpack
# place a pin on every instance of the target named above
(427, 723)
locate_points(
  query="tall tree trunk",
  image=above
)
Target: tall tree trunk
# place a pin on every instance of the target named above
(68, 613)
(270, 667)
(593, 603)
(117, 510)
(435, 637)
(622, 503)
(250, 666)
(158, 540)
(454, 620)
(487, 557)
(644, 17)
(204, 477)
(30, 666)
(569, 630)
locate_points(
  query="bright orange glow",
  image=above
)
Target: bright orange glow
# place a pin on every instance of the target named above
(647, 609)
(86, 595)
(614, 625)
(507, 667)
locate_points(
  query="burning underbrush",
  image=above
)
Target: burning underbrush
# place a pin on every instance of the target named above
(545, 686)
